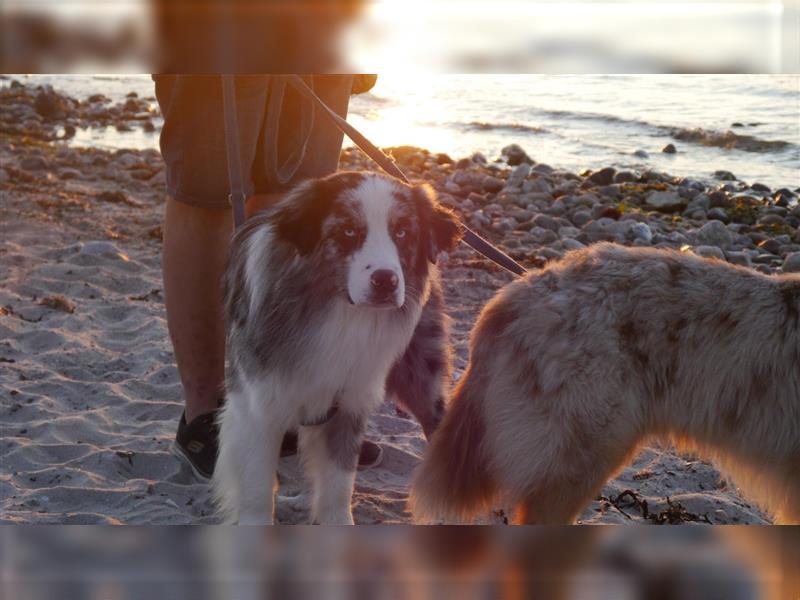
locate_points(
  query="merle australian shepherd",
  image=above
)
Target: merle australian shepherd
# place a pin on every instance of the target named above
(571, 367)
(332, 302)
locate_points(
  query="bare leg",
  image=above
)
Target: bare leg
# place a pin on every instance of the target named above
(196, 242)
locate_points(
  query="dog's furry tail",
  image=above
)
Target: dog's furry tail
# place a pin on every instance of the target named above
(454, 482)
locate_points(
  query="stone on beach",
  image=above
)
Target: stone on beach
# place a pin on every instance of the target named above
(714, 233)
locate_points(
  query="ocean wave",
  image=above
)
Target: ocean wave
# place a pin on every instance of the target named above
(484, 126)
(728, 140)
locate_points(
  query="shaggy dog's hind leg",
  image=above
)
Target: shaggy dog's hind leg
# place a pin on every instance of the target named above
(418, 381)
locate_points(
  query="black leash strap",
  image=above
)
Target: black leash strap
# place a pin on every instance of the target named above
(237, 198)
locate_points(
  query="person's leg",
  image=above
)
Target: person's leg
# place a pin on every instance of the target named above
(195, 252)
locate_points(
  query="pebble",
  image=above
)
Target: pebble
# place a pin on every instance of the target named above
(33, 163)
(739, 258)
(718, 213)
(625, 177)
(543, 236)
(771, 220)
(791, 264)
(491, 184)
(669, 149)
(709, 252)
(519, 175)
(570, 244)
(546, 222)
(603, 176)
(642, 231)
(770, 245)
(714, 233)
(665, 201)
(515, 155)
(641, 153)
(724, 175)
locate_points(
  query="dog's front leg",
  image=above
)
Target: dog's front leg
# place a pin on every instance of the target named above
(244, 478)
(330, 452)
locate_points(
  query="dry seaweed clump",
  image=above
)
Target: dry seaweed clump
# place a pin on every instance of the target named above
(58, 303)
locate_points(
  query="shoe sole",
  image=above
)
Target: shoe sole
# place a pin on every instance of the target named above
(184, 457)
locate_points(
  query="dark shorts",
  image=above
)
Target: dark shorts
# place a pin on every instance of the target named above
(279, 146)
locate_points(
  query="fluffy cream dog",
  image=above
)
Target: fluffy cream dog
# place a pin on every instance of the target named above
(573, 366)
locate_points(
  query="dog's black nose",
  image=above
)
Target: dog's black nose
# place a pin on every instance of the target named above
(384, 280)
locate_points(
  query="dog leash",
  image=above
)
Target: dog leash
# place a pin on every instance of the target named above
(237, 196)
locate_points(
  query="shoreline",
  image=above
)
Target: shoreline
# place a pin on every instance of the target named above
(91, 395)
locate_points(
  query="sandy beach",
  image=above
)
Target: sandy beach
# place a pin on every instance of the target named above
(89, 391)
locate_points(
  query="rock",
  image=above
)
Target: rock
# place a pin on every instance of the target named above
(669, 149)
(515, 155)
(718, 198)
(150, 128)
(543, 168)
(771, 220)
(114, 197)
(796, 212)
(571, 244)
(443, 159)
(665, 201)
(518, 175)
(543, 236)
(69, 173)
(642, 231)
(699, 202)
(625, 177)
(100, 248)
(122, 126)
(463, 163)
(641, 154)
(602, 210)
(545, 222)
(98, 98)
(760, 187)
(603, 176)
(479, 158)
(568, 232)
(127, 160)
(738, 258)
(33, 163)
(709, 252)
(714, 233)
(451, 187)
(724, 175)
(549, 254)
(538, 185)
(600, 230)
(791, 264)
(581, 218)
(720, 214)
(770, 245)
(492, 184)
(51, 105)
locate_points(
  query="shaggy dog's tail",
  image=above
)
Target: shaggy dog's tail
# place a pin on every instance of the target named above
(454, 482)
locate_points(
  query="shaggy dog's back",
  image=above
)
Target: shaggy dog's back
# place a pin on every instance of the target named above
(572, 366)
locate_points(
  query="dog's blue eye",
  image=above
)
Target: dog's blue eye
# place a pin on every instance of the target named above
(350, 232)
(400, 233)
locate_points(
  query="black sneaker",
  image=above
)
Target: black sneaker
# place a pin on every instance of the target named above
(197, 442)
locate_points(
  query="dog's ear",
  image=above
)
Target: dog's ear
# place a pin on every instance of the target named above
(445, 228)
(298, 218)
